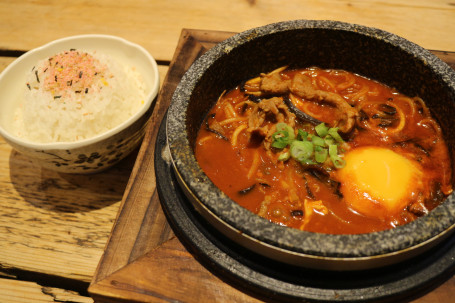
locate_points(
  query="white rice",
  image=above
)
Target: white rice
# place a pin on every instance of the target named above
(78, 110)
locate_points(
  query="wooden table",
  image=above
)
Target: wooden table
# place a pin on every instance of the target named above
(61, 233)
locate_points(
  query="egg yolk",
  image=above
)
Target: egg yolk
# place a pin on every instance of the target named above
(377, 182)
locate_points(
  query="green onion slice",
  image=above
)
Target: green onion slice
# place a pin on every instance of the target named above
(301, 150)
(318, 141)
(302, 135)
(322, 130)
(336, 160)
(333, 131)
(284, 127)
(320, 154)
(284, 156)
(280, 139)
(329, 140)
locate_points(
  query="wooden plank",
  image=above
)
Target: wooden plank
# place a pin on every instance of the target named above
(56, 224)
(155, 272)
(14, 291)
(158, 275)
(156, 24)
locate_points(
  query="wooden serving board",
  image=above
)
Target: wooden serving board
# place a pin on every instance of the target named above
(143, 260)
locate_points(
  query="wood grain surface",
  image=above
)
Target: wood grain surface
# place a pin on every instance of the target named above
(15, 291)
(157, 24)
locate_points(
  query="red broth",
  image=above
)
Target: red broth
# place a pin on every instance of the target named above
(236, 154)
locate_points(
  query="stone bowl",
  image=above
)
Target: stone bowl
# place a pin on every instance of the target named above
(367, 51)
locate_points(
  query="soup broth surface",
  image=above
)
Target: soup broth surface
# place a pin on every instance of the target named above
(382, 161)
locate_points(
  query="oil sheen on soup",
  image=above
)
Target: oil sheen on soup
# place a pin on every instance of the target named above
(325, 151)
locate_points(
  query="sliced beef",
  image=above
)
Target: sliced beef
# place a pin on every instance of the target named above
(273, 109)
(274, 84)
(301, 86)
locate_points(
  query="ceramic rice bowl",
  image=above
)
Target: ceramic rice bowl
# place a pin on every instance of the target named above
(328, 44)
(93, 154)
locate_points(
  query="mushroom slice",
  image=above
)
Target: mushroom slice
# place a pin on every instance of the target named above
(302, 115)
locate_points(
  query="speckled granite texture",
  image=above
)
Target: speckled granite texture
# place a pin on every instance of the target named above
(370, 52)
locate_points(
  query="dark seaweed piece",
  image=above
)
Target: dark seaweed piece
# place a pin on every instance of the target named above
(77, 91)
(308, 189)
(264, 184)
(318, 172)
(208, 128)
(363, 116)
(244, 107)
(72, 49)
(436, 196)
(256, 138)
(57, 97)
(297, 213)
(45, 70)
(271, 117)
(80, 74)
(217, 133)
(386, 122)
(402, 143)
(36, 75)
(69, 83)
(254, 98)
(336, 186)
(321, 175)
(86, 90)
(405, 143)
(55, 78)
(422, 149)
(388, 110)
(247, 190)
(28, 85)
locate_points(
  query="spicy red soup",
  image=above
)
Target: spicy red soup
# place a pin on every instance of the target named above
(367, 159)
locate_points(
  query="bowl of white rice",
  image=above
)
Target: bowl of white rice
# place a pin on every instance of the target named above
(78, 104)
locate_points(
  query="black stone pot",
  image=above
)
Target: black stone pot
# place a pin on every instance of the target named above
(327, 44)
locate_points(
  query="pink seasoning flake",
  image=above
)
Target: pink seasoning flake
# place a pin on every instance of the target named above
(71, 71)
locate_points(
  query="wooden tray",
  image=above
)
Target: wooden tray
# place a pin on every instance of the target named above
(143, 260)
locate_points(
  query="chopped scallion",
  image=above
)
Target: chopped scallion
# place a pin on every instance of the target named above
(333, 131)
(318, 141)
(283, 126)
(284, 156)
(322, 130)
(302, 135)
(308, 148)
(280, 139)
(336, 160)
(301, 150)
(320, 154)
(329, 140)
